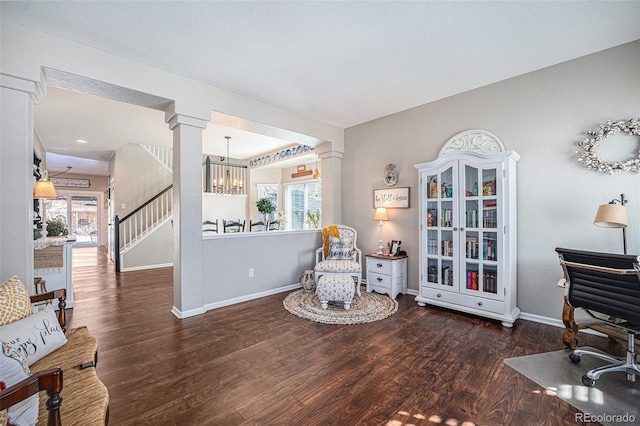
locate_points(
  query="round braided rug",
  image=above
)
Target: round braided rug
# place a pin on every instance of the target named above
(368, 308)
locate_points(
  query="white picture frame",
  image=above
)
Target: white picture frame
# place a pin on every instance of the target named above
(391, 198)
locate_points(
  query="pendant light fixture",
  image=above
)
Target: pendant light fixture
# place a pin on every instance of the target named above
(227, 176)
(316, 173)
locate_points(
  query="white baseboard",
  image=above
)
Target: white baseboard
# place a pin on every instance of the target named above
(215, 305)
(555, 322)
(141, 268)
(186, 314)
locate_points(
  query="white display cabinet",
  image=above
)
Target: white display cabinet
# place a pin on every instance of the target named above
(468, 257)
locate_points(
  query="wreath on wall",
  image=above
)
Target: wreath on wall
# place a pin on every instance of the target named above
(587, 148)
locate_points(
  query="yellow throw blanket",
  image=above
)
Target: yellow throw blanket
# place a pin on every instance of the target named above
(329, 231)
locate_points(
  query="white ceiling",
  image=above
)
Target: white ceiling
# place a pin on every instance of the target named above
(340, 62)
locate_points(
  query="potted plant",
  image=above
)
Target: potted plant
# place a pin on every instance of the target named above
(313, 218)
(56, 228)
(265, 207)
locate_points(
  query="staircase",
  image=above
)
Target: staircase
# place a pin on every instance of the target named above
(162, 154)
(152, 214)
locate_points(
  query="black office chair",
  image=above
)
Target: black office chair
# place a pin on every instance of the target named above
(607, 287)
(209, 226)
(233, 226)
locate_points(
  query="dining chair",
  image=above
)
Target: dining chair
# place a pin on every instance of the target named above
(233, 226)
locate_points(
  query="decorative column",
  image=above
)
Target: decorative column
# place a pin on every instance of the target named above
(17, 98)
(331, 166)
(187, 227)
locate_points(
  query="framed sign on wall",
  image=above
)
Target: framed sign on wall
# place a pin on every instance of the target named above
(70, 182)
(391, 198)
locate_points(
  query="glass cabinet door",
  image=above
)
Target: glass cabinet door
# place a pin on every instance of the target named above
(479, 234)
(441, 227)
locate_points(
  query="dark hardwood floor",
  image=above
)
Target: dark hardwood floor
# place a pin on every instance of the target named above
(255, 364)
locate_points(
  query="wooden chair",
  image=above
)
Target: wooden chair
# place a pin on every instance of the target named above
(257, 226)
(209, 226)
(273, 226)
(340, 258)
(233, 226)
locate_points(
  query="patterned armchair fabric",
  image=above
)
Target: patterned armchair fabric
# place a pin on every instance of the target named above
(343, 256)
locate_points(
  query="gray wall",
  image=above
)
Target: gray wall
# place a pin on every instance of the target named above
(278, 259)
(541, 116)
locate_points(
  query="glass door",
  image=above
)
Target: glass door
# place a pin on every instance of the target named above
(480, 234)
(441, 230)
(84, 218)
(80, 214)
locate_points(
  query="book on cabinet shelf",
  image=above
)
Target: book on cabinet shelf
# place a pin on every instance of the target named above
(490, 282)
(489, 219)
(432, 247)
(447, 248)
(472, 280)
(489, 248)
(447, 217)
(472, 218)
(472, 248)
(447, 276)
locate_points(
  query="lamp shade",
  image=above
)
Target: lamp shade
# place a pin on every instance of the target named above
(44, 190)
(381, 214)
(611, 216)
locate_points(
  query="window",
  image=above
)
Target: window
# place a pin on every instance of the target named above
(300, 199)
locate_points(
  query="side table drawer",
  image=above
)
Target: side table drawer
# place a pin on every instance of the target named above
(379, 280)
(381, 266)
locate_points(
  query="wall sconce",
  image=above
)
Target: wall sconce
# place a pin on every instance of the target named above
(381, 214)
(614, 215)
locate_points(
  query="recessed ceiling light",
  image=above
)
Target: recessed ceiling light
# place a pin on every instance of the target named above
(81, 141)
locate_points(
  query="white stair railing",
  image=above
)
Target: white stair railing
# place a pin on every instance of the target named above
(142, 221)
(163, 154)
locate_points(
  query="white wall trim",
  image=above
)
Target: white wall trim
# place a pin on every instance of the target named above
(186, 314)
(555, 322)
(143, 267)
(228, 302)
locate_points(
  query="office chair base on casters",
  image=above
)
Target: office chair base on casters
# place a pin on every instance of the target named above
(628, 365)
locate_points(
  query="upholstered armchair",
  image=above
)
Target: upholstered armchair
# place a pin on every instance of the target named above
(339, 254)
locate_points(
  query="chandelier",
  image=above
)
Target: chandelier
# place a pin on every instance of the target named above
(222, 177)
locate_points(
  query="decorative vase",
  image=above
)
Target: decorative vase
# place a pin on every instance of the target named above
(308, 281)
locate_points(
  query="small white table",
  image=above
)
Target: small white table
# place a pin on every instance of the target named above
(387, 274)
(55, 270)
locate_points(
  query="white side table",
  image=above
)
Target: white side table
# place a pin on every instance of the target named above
(387, 274)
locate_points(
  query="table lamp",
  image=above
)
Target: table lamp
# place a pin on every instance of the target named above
(381, 214)
(44, 190)
(614, 215)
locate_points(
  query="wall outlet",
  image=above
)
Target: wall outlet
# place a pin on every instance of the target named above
(250, 272)
(124, 206)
